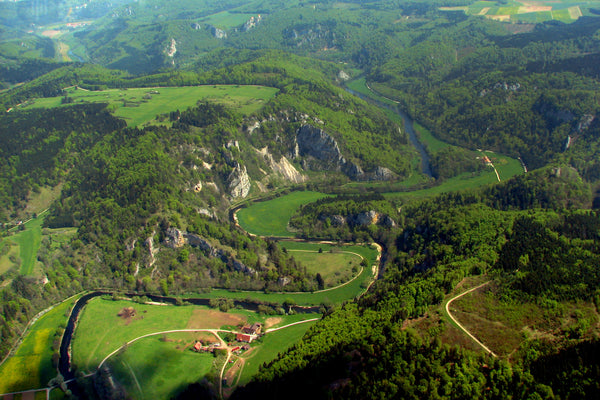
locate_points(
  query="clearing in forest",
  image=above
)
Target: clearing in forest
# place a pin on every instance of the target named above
(142, 106)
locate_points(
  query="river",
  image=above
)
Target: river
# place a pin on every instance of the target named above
(408, 127)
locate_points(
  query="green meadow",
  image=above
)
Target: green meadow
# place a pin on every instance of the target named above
(271, 345)
(153, 368)
(270, 218)
(330, 296)
(31, 366)
(141, 106)
(226, 19)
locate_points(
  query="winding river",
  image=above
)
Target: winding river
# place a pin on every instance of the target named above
(408, 127)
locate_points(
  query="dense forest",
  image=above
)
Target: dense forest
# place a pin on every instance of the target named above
(124, 192)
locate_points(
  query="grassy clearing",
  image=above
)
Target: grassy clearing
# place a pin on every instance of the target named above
(504, 327)
(507, 167)
(173, 366)
(334, 296)
(140, 106)
(31, 366)
(100, 330)
(270, 218)
(431, 143)
(225, 19)
(272, 344)
(29, 243)
(335, 267)
(460, 182)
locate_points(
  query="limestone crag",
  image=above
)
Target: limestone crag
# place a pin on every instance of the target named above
(284, 167)
(366, 218)
(218, 33)
(320, 152)
(239, 181)
(175, 238)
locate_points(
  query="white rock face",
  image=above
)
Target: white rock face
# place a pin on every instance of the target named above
(239, 182)
(283, 167)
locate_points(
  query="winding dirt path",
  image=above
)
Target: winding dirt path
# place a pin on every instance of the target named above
(460, 325)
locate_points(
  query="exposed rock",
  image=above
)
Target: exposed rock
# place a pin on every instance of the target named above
(343, 76)
(212, 185)
(205, 211)
(196, 26)
(198, 187)
(172, 48)
(283, 167)
(253, 127)
(251, 23)
(338, 220)
(284, 280)
(131, 246)
(218, 33)
(176, 238)
(322, 152)
(366, 218)
(239, 182)
(383, 174)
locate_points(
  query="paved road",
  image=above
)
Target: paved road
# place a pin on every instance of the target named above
(460, 325)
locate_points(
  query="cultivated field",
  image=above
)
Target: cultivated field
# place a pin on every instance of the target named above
(270, 218)
(530, 11)
(141, 106)
(31, 366)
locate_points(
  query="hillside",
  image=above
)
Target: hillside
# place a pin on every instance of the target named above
(143, 171)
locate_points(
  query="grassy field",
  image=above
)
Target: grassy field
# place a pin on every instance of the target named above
(272, 344)
(152, 368)
(173, 365)
(431, 143)
(334, 296)
(226, 20)
(505, 326)
(31, 366)
(270, 218)
(140, 106)
(507, 167)
(101, 330)
(528, 11)
(24, 245)
(336, 266)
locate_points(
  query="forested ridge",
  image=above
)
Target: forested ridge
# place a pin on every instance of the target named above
(147, 208)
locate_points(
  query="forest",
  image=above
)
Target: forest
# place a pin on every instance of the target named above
(149, 209)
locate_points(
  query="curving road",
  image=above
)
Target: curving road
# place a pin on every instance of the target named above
(460, 325)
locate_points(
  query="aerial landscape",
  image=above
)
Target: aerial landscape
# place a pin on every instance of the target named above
(268, 199)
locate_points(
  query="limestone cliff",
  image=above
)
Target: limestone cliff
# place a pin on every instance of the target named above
(239, 181)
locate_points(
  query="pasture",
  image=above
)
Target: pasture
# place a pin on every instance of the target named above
(31, 365)
(141, 106)
(272, 344)
(270, 218)
(158, 367)
(335, 264)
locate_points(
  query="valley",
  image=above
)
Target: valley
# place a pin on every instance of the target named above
(305, 199)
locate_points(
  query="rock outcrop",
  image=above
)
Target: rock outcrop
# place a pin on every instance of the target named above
(284, 167)
(322, 153)
(366, 218)
(218, 33)
(176, 239)
(239, 181)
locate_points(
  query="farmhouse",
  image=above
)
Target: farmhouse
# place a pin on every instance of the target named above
(253, 329)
